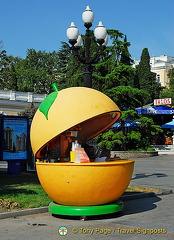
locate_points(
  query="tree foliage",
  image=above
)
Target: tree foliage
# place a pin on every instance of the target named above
(63, 56)
(4, 69)
(36, 72)
(136, 137)
(125, 55)
(171, 76)
(113, 74)
(127, 97)
(146, 80)
(112, 69)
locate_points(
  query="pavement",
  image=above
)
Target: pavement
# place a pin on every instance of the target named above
(154, 172)
(142, 218)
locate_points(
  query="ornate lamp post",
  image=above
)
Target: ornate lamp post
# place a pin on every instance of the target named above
(75, 40)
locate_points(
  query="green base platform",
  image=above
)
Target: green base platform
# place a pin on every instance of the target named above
(84, 211)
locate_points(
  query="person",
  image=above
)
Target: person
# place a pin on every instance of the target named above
(54, 150)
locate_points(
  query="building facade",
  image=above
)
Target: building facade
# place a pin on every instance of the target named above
(8, 139)
(160, 65)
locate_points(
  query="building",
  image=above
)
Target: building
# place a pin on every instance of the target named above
(8, 139)
(13, 102)
(160, 65)
(21, 142)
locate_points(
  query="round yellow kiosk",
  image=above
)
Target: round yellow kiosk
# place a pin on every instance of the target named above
(65, 118)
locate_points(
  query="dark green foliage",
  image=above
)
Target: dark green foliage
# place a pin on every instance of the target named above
(4, 69)
(167, 93)
(39, 69)
(113, 68)
(36, 72)
(146, 80)
(113, 74)
(125, 138)
(171, 76)
(62, 65)
(74, 74)
(125, 55)
(127, 97)
(13, 85)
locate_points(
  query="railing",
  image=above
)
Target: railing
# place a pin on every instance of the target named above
(21, 96)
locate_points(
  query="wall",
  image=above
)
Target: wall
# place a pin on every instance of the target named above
(132, 154)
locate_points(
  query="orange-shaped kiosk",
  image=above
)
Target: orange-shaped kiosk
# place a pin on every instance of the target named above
(89, 188)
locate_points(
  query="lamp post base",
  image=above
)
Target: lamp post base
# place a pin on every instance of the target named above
(84, 211)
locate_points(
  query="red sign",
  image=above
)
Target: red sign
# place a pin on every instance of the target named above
(164, 101)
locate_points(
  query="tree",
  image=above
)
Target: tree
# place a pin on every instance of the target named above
(62, 65)
(4, 69)
(7, 71)
(74, 74)
(146, 80)
(37, 71)
(111, 70)
(138, 137)
(127, 97)
(114, 68)
(171, 76)
(125, 55)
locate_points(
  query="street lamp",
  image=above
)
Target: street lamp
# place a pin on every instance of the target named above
(75, 40)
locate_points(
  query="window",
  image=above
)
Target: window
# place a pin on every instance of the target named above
(158, 77)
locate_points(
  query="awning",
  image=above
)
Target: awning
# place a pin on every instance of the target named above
(168, 125)
(129, 124)
(155, 110)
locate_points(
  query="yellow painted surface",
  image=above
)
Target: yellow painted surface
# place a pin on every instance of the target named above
(85, 184)
(77, 105)
(79, 184)
(164, 79)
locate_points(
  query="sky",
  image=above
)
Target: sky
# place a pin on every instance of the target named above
(42, 24)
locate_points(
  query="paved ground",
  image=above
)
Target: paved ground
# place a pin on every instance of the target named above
(147, 218)
(140, 218)
(157, 172)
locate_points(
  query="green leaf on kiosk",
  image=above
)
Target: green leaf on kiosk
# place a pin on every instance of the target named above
(47, 103)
